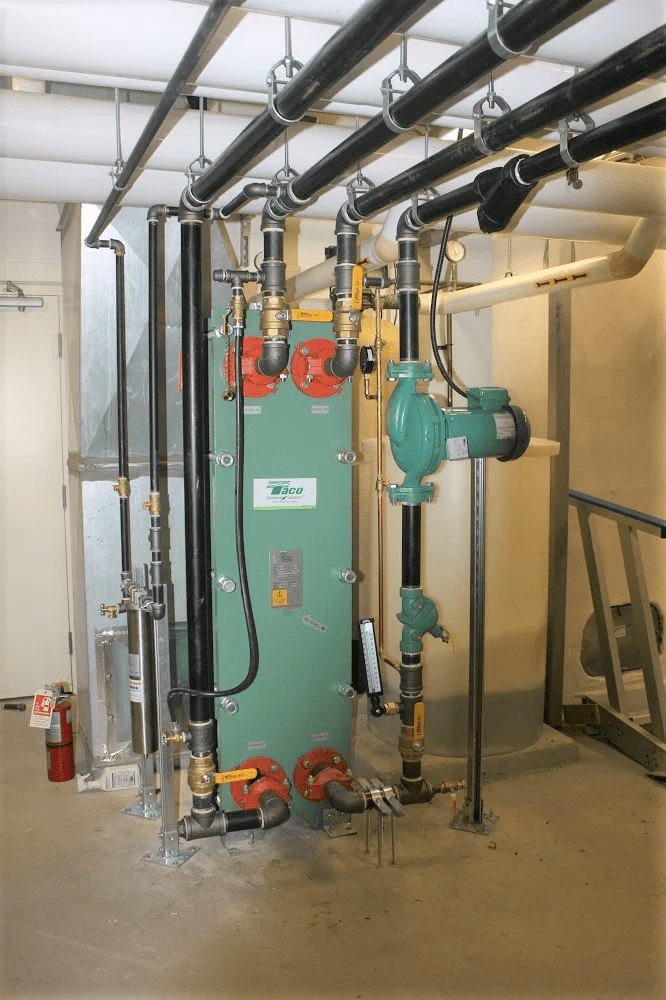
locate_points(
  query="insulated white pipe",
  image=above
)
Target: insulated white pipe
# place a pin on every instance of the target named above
(624, 263)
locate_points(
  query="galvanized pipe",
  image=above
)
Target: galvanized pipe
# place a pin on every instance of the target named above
(477, 629)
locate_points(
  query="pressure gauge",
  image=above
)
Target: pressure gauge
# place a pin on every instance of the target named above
(367, 360)
(455, 251)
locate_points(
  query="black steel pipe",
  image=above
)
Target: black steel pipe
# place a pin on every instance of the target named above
(272, 812)
(411, 545)
(121, 406)
(187, 70)
(350, 44)
(501, 190)
(519, 28)
(634, 62)
(633, 127)
(255, 189)
(195, 460)
(156, 309)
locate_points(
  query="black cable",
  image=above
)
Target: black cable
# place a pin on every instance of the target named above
(239, 492)
(433, 309)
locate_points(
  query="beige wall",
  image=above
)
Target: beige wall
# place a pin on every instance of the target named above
(618, 428)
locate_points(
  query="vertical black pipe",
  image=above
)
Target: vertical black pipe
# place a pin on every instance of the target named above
(153, 350)
(123, 433)
(411, 545)
(407, 282)
(411, 669)
(195, 440)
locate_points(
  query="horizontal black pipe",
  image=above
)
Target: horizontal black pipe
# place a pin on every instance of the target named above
(350, 44)
(624, 131)
(520, 27)
(255, 189)
(187, 70)
(272, 812)
(642, 58)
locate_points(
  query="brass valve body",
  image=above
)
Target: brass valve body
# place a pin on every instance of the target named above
(201, 775)
(274, 321)
(122, 487)
(411, 750)
(346, 321)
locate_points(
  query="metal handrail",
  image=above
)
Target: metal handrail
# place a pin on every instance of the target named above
(615, 512)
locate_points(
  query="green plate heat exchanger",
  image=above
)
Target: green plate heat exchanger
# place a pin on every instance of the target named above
(298, 544)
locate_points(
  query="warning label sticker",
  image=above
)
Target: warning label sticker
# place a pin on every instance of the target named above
(42, 708)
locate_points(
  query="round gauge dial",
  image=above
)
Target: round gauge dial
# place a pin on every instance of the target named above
(455, 251)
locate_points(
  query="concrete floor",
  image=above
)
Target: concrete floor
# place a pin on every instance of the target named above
(567, 899)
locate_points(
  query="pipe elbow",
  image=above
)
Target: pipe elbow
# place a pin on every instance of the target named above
(409, 226)
(270, 217)
(274, 810)
(345, 800)
(346, 224)
(344, 361)
(273, 358)
(156, 213)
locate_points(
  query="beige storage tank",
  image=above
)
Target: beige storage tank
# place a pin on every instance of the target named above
(516, 597)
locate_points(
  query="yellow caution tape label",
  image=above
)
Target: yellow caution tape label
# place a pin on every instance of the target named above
(312, 315)
(244, 774)
(357, 287)
(419, 721)
(280, 598)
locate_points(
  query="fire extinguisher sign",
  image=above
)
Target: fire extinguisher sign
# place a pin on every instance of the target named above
(42, 708)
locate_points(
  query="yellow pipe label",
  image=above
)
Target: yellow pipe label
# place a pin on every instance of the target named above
(357, 287)
(419, 721)
(244, 774)
(312, 315)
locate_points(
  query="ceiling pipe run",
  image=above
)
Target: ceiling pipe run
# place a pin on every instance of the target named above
(518, 29)
(196, 55)
(369, 26)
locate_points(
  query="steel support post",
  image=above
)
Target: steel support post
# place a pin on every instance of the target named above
(168, 852)
(559, 420)
(471, 817)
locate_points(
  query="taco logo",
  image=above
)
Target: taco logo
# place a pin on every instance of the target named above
(299, 494)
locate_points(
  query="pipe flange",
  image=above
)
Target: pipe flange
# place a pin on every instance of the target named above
(328, 764)
(271, 777)
(308, 369)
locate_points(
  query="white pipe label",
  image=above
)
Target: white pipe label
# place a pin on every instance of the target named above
(307, 620)
(505, 425)
(456, 448)
(295, 494)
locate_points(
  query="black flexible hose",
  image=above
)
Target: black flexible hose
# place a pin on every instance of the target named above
(239, 493)
(433, 309)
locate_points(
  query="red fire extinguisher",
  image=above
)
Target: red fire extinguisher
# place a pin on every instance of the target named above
(60, 743)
